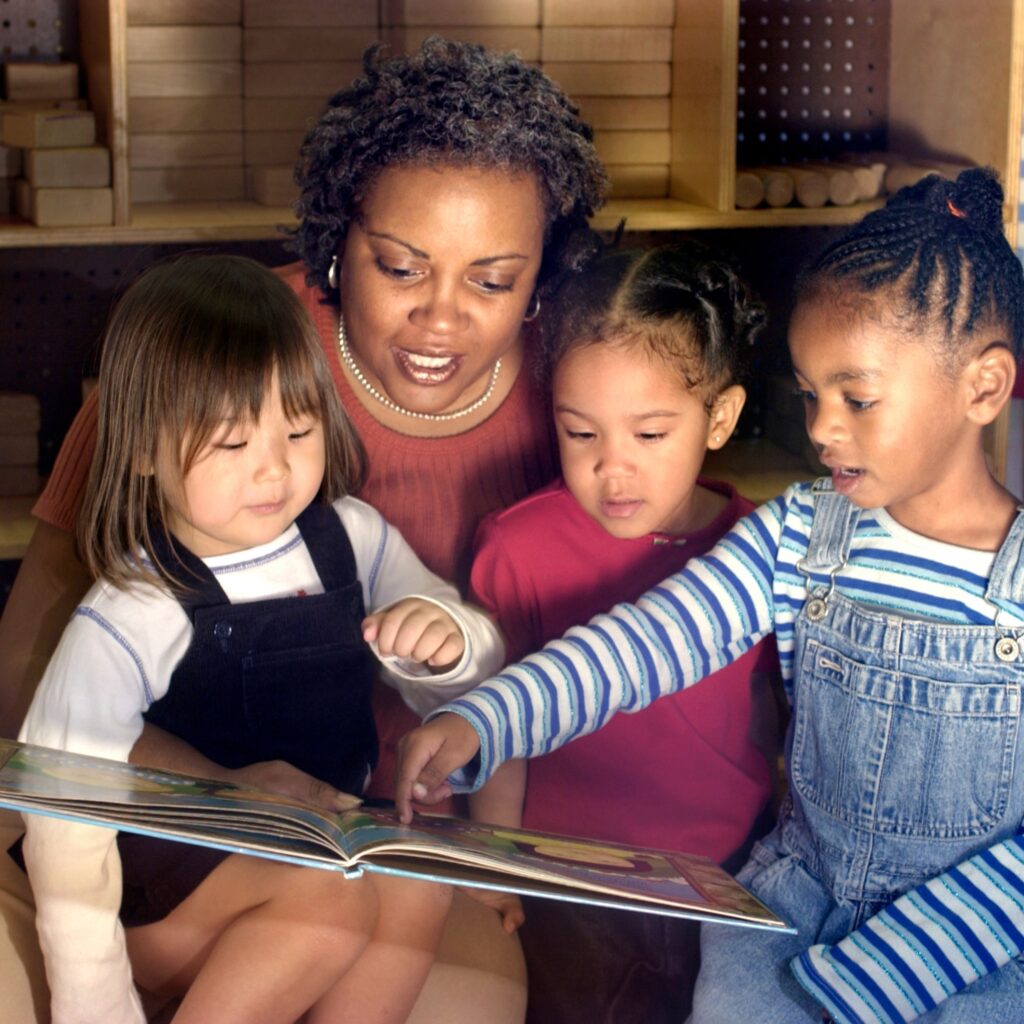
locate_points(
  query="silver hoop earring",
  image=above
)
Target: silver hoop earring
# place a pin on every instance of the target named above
(332, 272)
(534, 309)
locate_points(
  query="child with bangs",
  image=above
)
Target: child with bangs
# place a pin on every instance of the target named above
(241, 596)
(645, 351)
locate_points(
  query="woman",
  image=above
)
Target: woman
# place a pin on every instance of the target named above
(441, 194)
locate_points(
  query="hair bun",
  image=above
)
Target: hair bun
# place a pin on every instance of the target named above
(977, 196)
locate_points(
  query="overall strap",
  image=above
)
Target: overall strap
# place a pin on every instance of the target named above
(1006, 582)
(200, 587)
(328, 544)
(833, 525)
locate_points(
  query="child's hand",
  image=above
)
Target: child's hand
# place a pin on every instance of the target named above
(287, 780)
(416, 629)
(507, 905)
(427, 756)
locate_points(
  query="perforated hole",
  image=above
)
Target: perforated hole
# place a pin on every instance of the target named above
(833, 89)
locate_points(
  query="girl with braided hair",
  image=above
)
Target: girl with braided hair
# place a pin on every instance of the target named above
(895, 590)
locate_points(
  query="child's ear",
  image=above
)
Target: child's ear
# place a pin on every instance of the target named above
(990, 377)
(724, 414)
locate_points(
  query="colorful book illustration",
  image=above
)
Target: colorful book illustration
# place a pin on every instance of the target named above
(188, 809)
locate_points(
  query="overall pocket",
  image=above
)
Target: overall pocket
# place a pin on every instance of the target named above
(902, 754)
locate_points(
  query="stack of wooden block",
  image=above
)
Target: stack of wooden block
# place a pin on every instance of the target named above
(185, 100)
(504, 25)
(19, 444)
(615, 60)
(295, 56)
(65, 178)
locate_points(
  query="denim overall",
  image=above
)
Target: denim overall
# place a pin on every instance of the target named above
(905, 755)
(278, 679)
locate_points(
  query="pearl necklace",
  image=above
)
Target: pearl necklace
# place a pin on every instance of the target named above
(435, 417)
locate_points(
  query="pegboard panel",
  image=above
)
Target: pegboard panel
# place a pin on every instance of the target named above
(38, 29)
(56, 302)
(813, 78)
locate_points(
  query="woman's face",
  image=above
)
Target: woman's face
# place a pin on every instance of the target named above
(437, 272)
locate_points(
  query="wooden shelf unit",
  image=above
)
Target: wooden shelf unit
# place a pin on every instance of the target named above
(955, 90)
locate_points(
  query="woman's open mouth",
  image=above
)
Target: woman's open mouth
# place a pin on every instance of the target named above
(427, 369)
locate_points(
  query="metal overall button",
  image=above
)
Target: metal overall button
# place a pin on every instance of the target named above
(817, 608)
(1007, 648)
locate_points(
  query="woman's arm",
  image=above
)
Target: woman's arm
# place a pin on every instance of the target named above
(50, 583)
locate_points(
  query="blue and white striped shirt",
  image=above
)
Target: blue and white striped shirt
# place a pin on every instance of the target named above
(707, 615)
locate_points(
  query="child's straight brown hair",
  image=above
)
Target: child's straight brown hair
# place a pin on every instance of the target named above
(194, 341)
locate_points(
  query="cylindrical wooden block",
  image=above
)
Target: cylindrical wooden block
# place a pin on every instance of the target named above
(842, 188)
(778, 185)
(809, 187)
(749, 190)
(868, 174)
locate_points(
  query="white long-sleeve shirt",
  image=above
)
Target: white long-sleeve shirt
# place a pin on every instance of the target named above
(116, 657)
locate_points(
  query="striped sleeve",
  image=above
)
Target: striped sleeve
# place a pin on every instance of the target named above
(687, 627)
(926, 946)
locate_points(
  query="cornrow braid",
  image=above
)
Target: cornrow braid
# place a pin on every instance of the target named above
(943, 241)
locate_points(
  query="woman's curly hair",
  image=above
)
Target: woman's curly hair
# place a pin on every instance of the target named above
(455, 103)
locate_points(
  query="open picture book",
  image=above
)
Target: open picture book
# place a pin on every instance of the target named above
(98, 791)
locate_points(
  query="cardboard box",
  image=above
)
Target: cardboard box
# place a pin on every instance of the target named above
(39, 80)
(557, 44)
(184, 42)
(184, 12)
(35, 129)
(78, 167)
(185, 78)
(187, 184)
(611, 78)
(185, 149)
(309, 13)
(155, 114)
(262, 45)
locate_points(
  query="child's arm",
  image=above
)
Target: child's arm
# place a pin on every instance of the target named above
(926, 946)
(392, 576)
(89, 701)
(75, 873)
(500, 802)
